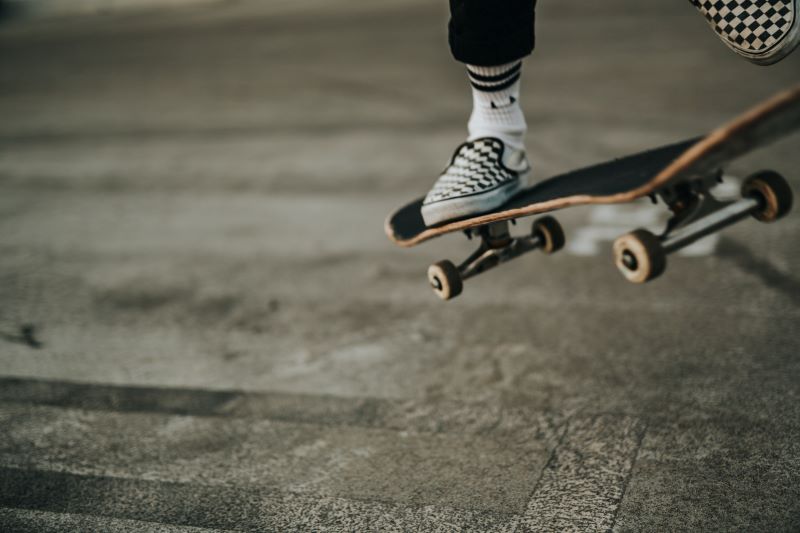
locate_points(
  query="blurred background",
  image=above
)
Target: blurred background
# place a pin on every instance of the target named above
(203, 325)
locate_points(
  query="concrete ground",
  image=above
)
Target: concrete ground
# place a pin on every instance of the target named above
(203, 327)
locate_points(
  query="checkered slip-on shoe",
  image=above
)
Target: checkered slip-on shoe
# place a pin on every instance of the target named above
(482, 176)
(763, 31)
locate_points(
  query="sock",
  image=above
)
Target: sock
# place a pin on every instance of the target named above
(495, 104)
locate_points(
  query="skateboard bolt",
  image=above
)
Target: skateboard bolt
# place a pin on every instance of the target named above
(629, 260)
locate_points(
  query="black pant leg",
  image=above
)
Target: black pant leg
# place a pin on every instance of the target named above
(491, 32)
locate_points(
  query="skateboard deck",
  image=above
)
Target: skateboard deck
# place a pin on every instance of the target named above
(625, 179)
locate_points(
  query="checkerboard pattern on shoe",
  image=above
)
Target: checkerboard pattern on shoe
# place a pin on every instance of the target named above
(476, 168)
(750, 26)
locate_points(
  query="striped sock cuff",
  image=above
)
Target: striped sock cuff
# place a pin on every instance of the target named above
(494, 79)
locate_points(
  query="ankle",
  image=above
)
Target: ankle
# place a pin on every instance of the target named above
(509, 130)
(496, 110)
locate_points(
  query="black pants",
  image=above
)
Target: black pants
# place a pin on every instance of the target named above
(491, 32)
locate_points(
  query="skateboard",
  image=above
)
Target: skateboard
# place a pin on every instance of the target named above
(681, 175)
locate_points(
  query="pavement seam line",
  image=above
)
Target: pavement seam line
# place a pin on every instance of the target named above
(583, 483)
(546, 464)
(629, 476)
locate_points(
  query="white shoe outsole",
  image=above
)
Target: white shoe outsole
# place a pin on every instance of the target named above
(455, 208)
(782, 49)
(727, 22)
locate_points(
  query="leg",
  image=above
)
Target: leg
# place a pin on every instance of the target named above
(491, 32)
(491, 37)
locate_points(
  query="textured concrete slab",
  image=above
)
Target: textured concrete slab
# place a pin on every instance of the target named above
(64, 446)
(714, 474)
(238, 508)
(28, 521)
(101, 451)
(429, 416)
(439, 469)
(583, 484)
(202, 324)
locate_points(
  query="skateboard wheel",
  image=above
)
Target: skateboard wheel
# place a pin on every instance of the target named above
(639, 256)
(773, 192)
(550, 232)
(445, 280)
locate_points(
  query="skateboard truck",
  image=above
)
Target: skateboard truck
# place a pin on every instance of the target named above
(641, 255)
(497, 246)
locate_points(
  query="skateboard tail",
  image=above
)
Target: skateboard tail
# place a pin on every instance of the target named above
(756, 128)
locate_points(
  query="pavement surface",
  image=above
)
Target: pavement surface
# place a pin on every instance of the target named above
(203, 327)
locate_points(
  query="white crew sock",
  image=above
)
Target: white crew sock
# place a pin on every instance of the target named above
(495, 104)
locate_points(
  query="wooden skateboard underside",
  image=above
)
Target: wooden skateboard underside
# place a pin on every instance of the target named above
(626, 179)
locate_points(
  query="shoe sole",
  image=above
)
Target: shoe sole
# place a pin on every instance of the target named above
(778, 51)
(446, 210)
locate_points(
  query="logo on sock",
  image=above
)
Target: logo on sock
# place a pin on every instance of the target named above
(511, 101)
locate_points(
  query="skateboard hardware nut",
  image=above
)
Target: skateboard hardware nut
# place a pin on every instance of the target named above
(445, 280)
(549, 232)
(629, 260)
(640, 256)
